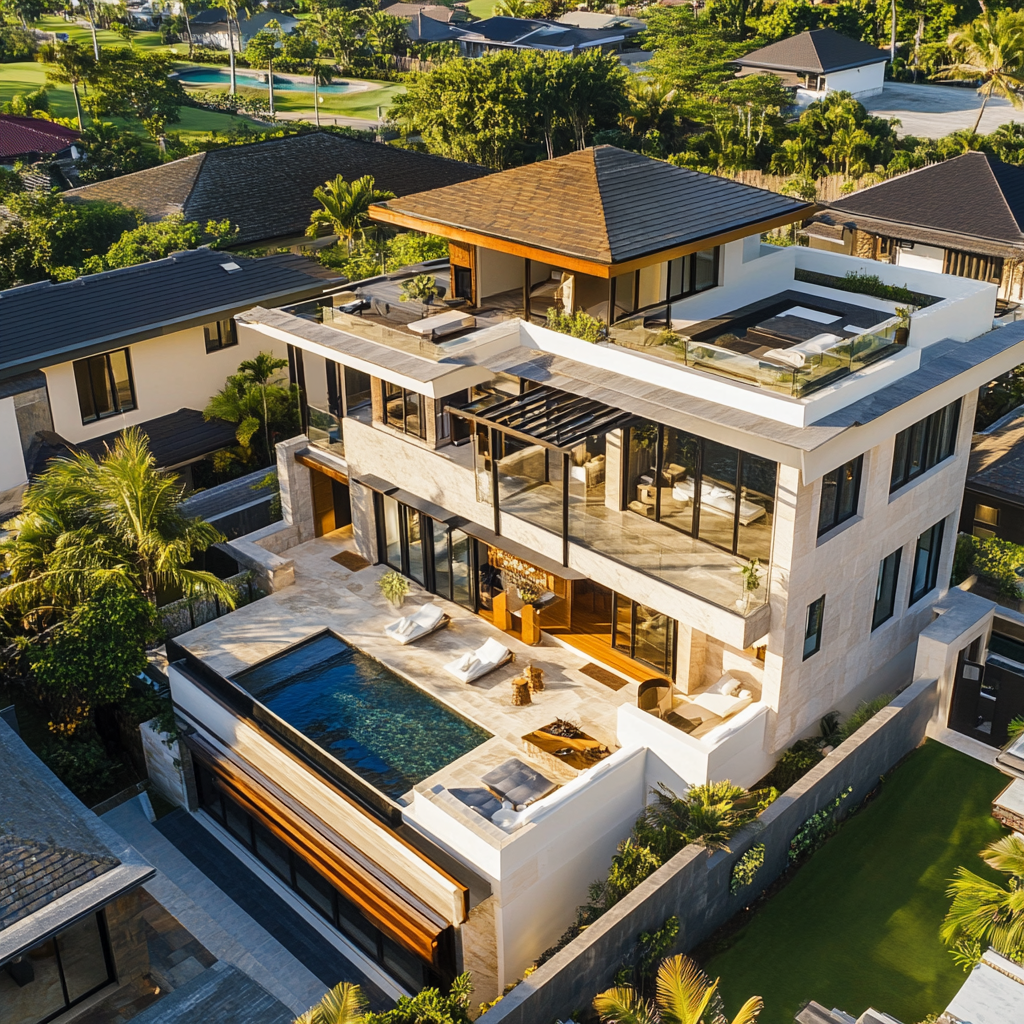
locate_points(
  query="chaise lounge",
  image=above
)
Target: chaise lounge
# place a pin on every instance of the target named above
(423, 621)
(474, 664)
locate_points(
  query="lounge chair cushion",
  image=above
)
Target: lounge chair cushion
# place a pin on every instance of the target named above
(727, 685)
(492, 651)
(411, 627)
(479, 799)
(517, 783)
(474, 664)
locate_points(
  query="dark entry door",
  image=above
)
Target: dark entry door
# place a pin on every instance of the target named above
(986, 698)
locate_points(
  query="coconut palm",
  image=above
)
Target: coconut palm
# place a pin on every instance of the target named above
(344, 1004)
(511, 9)
(260, 371)
(991, 50)
(987, 912)
(72, 64)
(86, 523)
(345, 206)
(231, 10)
(261, 51)
(684, 995)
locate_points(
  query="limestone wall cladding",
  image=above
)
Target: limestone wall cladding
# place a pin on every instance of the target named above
(843, 565)
(163, 763)
(695, 887)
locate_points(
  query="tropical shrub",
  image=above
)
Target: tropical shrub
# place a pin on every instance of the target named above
(864, 713)
(816, 829)
(993, 559)
(744, 870)
(393, 585)
(579, 325)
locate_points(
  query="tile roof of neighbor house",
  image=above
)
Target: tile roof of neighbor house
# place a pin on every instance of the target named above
(266, 188)
(174, 439)
(815, 52)
(20, 136)
(57, 859)
(539, 35)
(996, 464)
(435, 11)
(43, 324)
(602, 204)
(968, 201)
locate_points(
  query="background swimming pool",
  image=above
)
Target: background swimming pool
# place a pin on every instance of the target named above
(251, 80)
(384, 728)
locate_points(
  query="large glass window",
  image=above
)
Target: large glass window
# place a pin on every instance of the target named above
(885, 590)
(104, 385)
(220, 335)
(392, 533)
(812, 627)
(926, 562)
(840, 490)
(357, 390)
(644, 634)
(58, 973)
(924, 445)
(403, 410)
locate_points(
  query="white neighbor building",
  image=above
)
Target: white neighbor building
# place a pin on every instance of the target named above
(599, 501)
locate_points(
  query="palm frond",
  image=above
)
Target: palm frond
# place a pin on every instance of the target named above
(684, 991)
(749, 1011)
(624, 1006)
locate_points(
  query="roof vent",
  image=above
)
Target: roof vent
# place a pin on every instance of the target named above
(231, 268)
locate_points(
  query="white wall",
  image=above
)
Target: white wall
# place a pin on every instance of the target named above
(497, 272)
(922, 257)
(865, 81)
(171, 372)
(12, 461)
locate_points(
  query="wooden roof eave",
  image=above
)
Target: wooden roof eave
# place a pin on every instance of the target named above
(396, 218)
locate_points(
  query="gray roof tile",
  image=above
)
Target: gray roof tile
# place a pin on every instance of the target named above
(816, 52)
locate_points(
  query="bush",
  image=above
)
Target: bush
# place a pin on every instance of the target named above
(866, 284)
(816, 829)
(993, 559)
(744, 870)
(81, 764)
(794, 764)
(579, 325)
(864, 713)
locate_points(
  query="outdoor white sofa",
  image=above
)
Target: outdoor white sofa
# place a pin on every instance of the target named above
(722, 699)
(423, 621)
(797, 356)
(474, 664)
(718, 499)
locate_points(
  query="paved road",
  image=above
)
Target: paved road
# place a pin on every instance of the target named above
(931, 111)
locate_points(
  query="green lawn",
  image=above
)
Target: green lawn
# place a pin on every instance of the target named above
(858, 925)
(481, 8)
(81, 34)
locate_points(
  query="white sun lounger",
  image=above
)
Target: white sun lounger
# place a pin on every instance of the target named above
(423, 621)
(475, 664)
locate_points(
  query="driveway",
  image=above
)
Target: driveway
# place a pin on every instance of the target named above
(931, 111)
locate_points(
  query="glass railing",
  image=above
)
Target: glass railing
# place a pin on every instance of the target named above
(325, 430)
(821, 366)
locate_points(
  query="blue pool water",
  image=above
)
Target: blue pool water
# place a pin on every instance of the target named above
(384, 728)
(254, 80)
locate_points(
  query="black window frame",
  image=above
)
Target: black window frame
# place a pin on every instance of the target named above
(403, 426)
(933, 438)
(933, 553)
(843, 485)
(688, 283)
(220, 334)
(813, 624)
(885, 589)
(108, 369)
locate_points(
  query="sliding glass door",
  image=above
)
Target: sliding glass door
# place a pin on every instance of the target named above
(644, 634)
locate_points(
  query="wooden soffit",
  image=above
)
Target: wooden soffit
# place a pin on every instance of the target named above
(464, 236)
(385, 909)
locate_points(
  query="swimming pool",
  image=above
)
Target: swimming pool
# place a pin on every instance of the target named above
(255, 80)
(384, 728)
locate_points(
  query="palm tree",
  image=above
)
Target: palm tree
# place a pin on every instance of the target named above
(685, 995)
(262, 49)
(231, 9)
(345, 206)
(344, 1004)
(86, 522)
(986, 912)
(511, 9)
(652, 107)
(990, 49)
(72, 64)
(260, 371)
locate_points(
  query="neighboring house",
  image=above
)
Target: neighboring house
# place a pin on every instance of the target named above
(501, 33)
(433, 11)
(147, 345)
(600, 20)
(71, 921)
(920, 220)
(708, 531)
(266, 188)
(210, 28)
(30, 138)
(818, 62)
(994, 495)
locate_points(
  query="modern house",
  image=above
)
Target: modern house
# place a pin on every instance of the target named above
(70, 908)
(236, 183)
(994, 495)
(820, 61)
(148, 345)
(210, 28)
(731, 514)
(501, 33)
(919, 220)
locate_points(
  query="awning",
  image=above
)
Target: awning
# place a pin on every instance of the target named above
(547, 416)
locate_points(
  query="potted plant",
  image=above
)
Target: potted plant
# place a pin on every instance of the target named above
(423, 288)
(394, 586)
(903, 326)
(751, 573)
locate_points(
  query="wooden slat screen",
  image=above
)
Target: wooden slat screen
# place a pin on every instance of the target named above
(385, 909)
(977, 268)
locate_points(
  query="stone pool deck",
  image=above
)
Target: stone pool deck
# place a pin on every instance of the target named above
(327, 596)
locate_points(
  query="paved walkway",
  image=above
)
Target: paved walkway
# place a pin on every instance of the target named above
(226, 930)
(931, 111)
